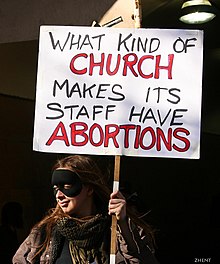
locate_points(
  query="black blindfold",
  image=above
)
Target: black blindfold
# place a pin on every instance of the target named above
(62, 177)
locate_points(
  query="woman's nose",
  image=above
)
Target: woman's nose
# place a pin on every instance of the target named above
(59, 194)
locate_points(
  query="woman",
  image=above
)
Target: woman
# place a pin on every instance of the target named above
(77, 231)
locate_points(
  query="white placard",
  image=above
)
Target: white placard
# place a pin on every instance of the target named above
(119, 91)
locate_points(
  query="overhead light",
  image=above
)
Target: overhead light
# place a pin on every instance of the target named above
(197, 12)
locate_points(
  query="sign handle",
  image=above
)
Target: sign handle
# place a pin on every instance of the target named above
(137, 19)
(137, 13)
(114, 219)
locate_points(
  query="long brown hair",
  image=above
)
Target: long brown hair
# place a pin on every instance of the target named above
(90, 174)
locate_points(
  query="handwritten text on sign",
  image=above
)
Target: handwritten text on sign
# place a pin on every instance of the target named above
(119, 91)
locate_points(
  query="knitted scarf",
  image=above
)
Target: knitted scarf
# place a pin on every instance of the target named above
(86, 238)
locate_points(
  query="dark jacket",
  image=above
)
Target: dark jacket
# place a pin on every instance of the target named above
(143, 255)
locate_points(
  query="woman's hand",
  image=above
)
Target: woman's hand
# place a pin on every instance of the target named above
(117, 205)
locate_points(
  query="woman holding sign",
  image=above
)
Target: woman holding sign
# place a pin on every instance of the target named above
(78, 230)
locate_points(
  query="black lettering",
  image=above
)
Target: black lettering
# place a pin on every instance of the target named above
(54, 45)
(55, 107)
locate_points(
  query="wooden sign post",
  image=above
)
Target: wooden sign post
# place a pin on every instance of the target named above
(137, 13)
(114, 219)
(137, 19)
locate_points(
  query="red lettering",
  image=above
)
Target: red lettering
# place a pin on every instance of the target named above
(91, 132)
(96, 64)
(143, 58)
(127, 128)
(136, 142)
(134, 136)
(129, 61)
(153, 137)
(161, 137)
(79, 132)
(109, 62)
(112, 135)
(185, 140)
(130, 64)
(55, 135)
(72, 67)
(158, 67)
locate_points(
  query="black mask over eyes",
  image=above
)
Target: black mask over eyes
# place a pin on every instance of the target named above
(63, 177)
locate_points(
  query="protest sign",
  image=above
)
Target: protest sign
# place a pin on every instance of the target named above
(119, 91)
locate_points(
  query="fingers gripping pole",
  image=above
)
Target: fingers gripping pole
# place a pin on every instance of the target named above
(114, 220)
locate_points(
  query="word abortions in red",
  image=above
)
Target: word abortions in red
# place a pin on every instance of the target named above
(85, 134)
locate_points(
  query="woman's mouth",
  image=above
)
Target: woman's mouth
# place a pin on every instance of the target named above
(63, 203)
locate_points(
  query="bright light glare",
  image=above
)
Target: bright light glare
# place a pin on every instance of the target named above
(197, 18)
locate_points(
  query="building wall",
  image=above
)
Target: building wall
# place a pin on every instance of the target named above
(25, 174)
(181, 195)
